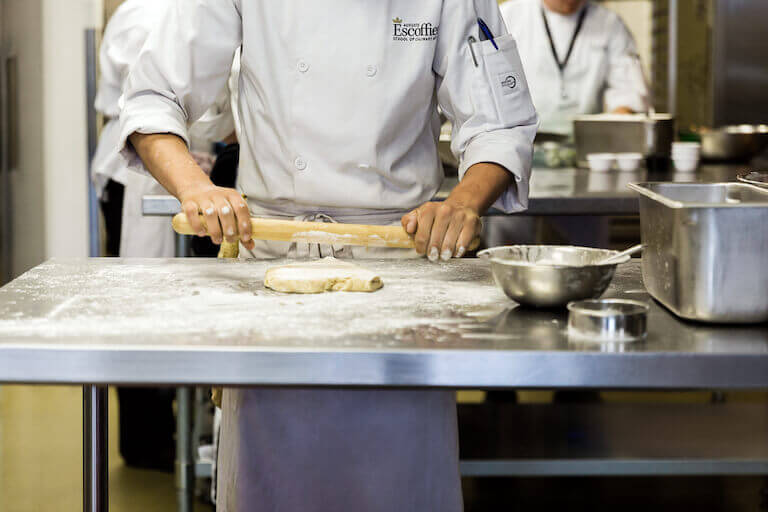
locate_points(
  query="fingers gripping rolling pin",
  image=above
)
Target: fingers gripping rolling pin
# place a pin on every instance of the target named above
(319, 232)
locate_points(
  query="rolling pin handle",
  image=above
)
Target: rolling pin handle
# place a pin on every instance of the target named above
(182, 226)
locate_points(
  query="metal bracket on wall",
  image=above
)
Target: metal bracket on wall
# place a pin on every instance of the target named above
(8, 156)
(90, 92)
(672, 59)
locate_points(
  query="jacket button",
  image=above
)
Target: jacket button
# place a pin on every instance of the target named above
(300, 163)
(303, 66)
(371, 70)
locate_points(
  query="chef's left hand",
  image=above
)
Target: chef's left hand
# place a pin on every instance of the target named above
(443, 230)
(446, 230)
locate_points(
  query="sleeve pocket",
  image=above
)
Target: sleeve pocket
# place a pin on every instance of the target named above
(506, 81)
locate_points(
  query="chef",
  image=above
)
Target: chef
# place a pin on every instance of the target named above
(338, 122)
(579, 57)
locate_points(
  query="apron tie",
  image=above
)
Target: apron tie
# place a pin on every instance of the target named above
(312, 250)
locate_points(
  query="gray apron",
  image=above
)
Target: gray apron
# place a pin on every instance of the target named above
(328, 450)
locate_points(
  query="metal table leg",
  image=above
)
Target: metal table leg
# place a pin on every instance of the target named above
(185, 462)
(185, 459)
(95, 449)
(182, 245)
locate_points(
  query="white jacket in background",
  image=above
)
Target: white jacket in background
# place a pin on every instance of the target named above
(602, 73)
(125, 34)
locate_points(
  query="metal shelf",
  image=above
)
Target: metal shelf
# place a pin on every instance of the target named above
(613, 439)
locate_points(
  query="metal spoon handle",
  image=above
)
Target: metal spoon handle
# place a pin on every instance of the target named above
(618, 257)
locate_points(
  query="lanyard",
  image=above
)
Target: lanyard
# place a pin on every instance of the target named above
(562, 64)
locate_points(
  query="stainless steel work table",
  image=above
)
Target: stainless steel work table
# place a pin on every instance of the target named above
(196, 321)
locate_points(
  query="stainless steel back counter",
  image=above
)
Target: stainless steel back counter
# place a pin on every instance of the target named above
(556, 191)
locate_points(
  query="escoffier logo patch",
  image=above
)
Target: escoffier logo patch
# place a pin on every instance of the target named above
(413, 32)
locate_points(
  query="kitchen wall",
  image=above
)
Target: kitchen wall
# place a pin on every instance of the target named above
(649, 22)
(109, 7)
(637, 15)
(694, 99)
(50, 194)
(64, 129)
(740, 58)
(23, 30)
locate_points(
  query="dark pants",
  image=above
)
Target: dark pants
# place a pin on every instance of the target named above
(147, 427)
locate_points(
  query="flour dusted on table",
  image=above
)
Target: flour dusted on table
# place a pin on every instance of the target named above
(205, 301)
(326, 275)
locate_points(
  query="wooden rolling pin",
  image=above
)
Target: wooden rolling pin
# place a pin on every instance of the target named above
(319, 232)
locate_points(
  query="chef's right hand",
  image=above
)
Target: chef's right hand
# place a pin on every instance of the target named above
(226, 213)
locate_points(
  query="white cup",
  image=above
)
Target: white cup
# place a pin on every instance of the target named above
(686, 154)
(600, 162)
(629, 162)
(685, 163)
(686, 145)
(686, 149)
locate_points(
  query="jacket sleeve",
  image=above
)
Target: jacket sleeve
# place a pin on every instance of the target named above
(625, 85)
(485, 96)
(181, 69)
(118, 51)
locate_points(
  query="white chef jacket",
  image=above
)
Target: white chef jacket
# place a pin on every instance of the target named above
(338, 99)
(603, 71)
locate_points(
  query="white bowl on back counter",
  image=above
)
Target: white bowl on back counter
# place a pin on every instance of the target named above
(601, 162)
(629, 162)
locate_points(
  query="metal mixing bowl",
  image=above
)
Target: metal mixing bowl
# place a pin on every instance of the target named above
(550, 275)
(739, 142)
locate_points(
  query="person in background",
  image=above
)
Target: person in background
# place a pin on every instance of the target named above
(124, 36)
(146, 415)
(579, 57)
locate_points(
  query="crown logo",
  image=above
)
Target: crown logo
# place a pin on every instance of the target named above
(397, 21)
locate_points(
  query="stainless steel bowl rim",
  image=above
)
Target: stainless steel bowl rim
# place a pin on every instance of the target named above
(577, 306)
(488, 254)
(747, 129)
